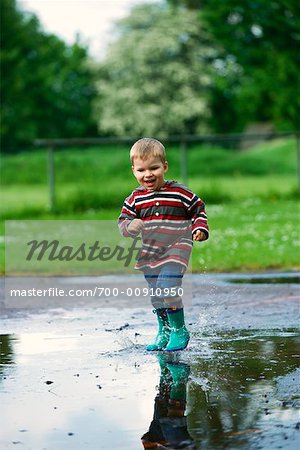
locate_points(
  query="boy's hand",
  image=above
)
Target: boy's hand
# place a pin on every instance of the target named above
(135, 226)
(199, 236)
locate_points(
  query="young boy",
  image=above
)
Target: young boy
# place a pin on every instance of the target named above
(169, 216)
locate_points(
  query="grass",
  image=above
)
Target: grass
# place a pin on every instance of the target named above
(248, 236)
(23, 201)
(277, 157)
(251, 236)
(251, 197)
(95, 178)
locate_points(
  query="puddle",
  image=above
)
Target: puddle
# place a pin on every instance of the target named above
(233, 389)
(266, 279)
(248, 396)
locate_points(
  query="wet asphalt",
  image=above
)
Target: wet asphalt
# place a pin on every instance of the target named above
(74, 373)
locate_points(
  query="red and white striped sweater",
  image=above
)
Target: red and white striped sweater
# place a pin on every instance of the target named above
(170, 216)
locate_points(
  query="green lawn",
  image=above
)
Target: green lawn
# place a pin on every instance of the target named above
(98, 164)
(251, 198)
(24, 201)
(249, 236)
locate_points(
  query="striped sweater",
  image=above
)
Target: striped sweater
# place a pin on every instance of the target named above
(170, 216)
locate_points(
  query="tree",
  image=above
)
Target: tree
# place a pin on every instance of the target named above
(262, 38)
(47, 86)
(156, 77)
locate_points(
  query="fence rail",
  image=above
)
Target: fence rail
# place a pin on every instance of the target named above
(182, 140)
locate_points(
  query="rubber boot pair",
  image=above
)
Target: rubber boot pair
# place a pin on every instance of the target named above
(172, 334)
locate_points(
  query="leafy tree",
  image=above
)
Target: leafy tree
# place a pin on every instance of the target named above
(262, 38)
(156, 77)
(47, 86)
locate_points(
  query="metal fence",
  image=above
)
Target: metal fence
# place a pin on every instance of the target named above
(238, 142)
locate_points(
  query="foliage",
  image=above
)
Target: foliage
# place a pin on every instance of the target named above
(177, 66)
(156, 76)
(261, 38)
(46, 84)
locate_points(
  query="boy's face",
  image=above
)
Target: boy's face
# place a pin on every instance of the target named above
(150, 172)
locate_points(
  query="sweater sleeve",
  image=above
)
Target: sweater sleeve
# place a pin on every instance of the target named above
(128, 213)
(197, 214)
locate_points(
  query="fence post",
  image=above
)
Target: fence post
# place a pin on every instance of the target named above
(183, 162)
(51, 178)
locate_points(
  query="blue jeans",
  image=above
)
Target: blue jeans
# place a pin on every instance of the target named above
(164, 285)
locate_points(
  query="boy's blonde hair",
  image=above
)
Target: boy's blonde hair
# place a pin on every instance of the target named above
(146, 147)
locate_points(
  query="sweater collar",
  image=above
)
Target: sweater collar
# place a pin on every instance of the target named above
(167, 184)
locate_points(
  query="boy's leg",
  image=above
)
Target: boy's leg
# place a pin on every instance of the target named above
(162, 338)
(151, 276)
(169, 280)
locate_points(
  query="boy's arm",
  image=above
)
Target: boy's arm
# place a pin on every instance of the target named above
(128, 223)
(198, 216)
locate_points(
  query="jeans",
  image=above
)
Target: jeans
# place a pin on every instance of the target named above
(164, 285)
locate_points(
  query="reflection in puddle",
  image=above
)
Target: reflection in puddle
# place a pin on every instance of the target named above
(6, 352)
(246, 392)
(243, 393)
(168, 428)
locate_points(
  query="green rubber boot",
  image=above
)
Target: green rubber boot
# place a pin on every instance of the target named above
(162, 337)
(165, 380)
(179, 337)
(180, 375)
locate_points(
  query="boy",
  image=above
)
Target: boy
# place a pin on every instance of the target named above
(167, 214)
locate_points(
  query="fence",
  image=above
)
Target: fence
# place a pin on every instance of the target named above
(232, 141)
